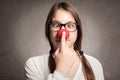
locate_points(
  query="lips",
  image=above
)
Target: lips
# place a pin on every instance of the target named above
(59, 34)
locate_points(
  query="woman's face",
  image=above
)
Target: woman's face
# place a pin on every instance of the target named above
(63, 17)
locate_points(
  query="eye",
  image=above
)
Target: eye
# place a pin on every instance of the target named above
(70, 25)
(55, 24)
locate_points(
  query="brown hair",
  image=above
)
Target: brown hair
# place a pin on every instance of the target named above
(87, 70)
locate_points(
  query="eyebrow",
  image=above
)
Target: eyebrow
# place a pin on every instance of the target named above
(64, 23)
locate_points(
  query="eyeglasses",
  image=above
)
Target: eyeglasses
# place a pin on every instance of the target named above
(70, 26)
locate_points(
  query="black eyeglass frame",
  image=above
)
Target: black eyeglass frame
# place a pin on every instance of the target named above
(60, 25)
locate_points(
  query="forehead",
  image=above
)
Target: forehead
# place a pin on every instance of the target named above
(63, 16)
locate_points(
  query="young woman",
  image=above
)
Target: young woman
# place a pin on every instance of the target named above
(66, 60)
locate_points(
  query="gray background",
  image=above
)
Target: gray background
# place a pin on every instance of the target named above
(22, 34)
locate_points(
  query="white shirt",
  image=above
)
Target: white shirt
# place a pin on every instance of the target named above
(36, 68)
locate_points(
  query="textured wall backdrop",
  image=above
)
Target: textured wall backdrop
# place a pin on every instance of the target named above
(22, 34)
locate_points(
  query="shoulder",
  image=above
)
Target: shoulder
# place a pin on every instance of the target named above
(92, 60)
(96, 66)
(37, 61)
(38, 58)
(36, 66)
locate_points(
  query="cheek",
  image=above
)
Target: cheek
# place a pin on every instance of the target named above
(53, 36)
(73, 36)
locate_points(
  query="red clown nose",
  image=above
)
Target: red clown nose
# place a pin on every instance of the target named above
(59, 34)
